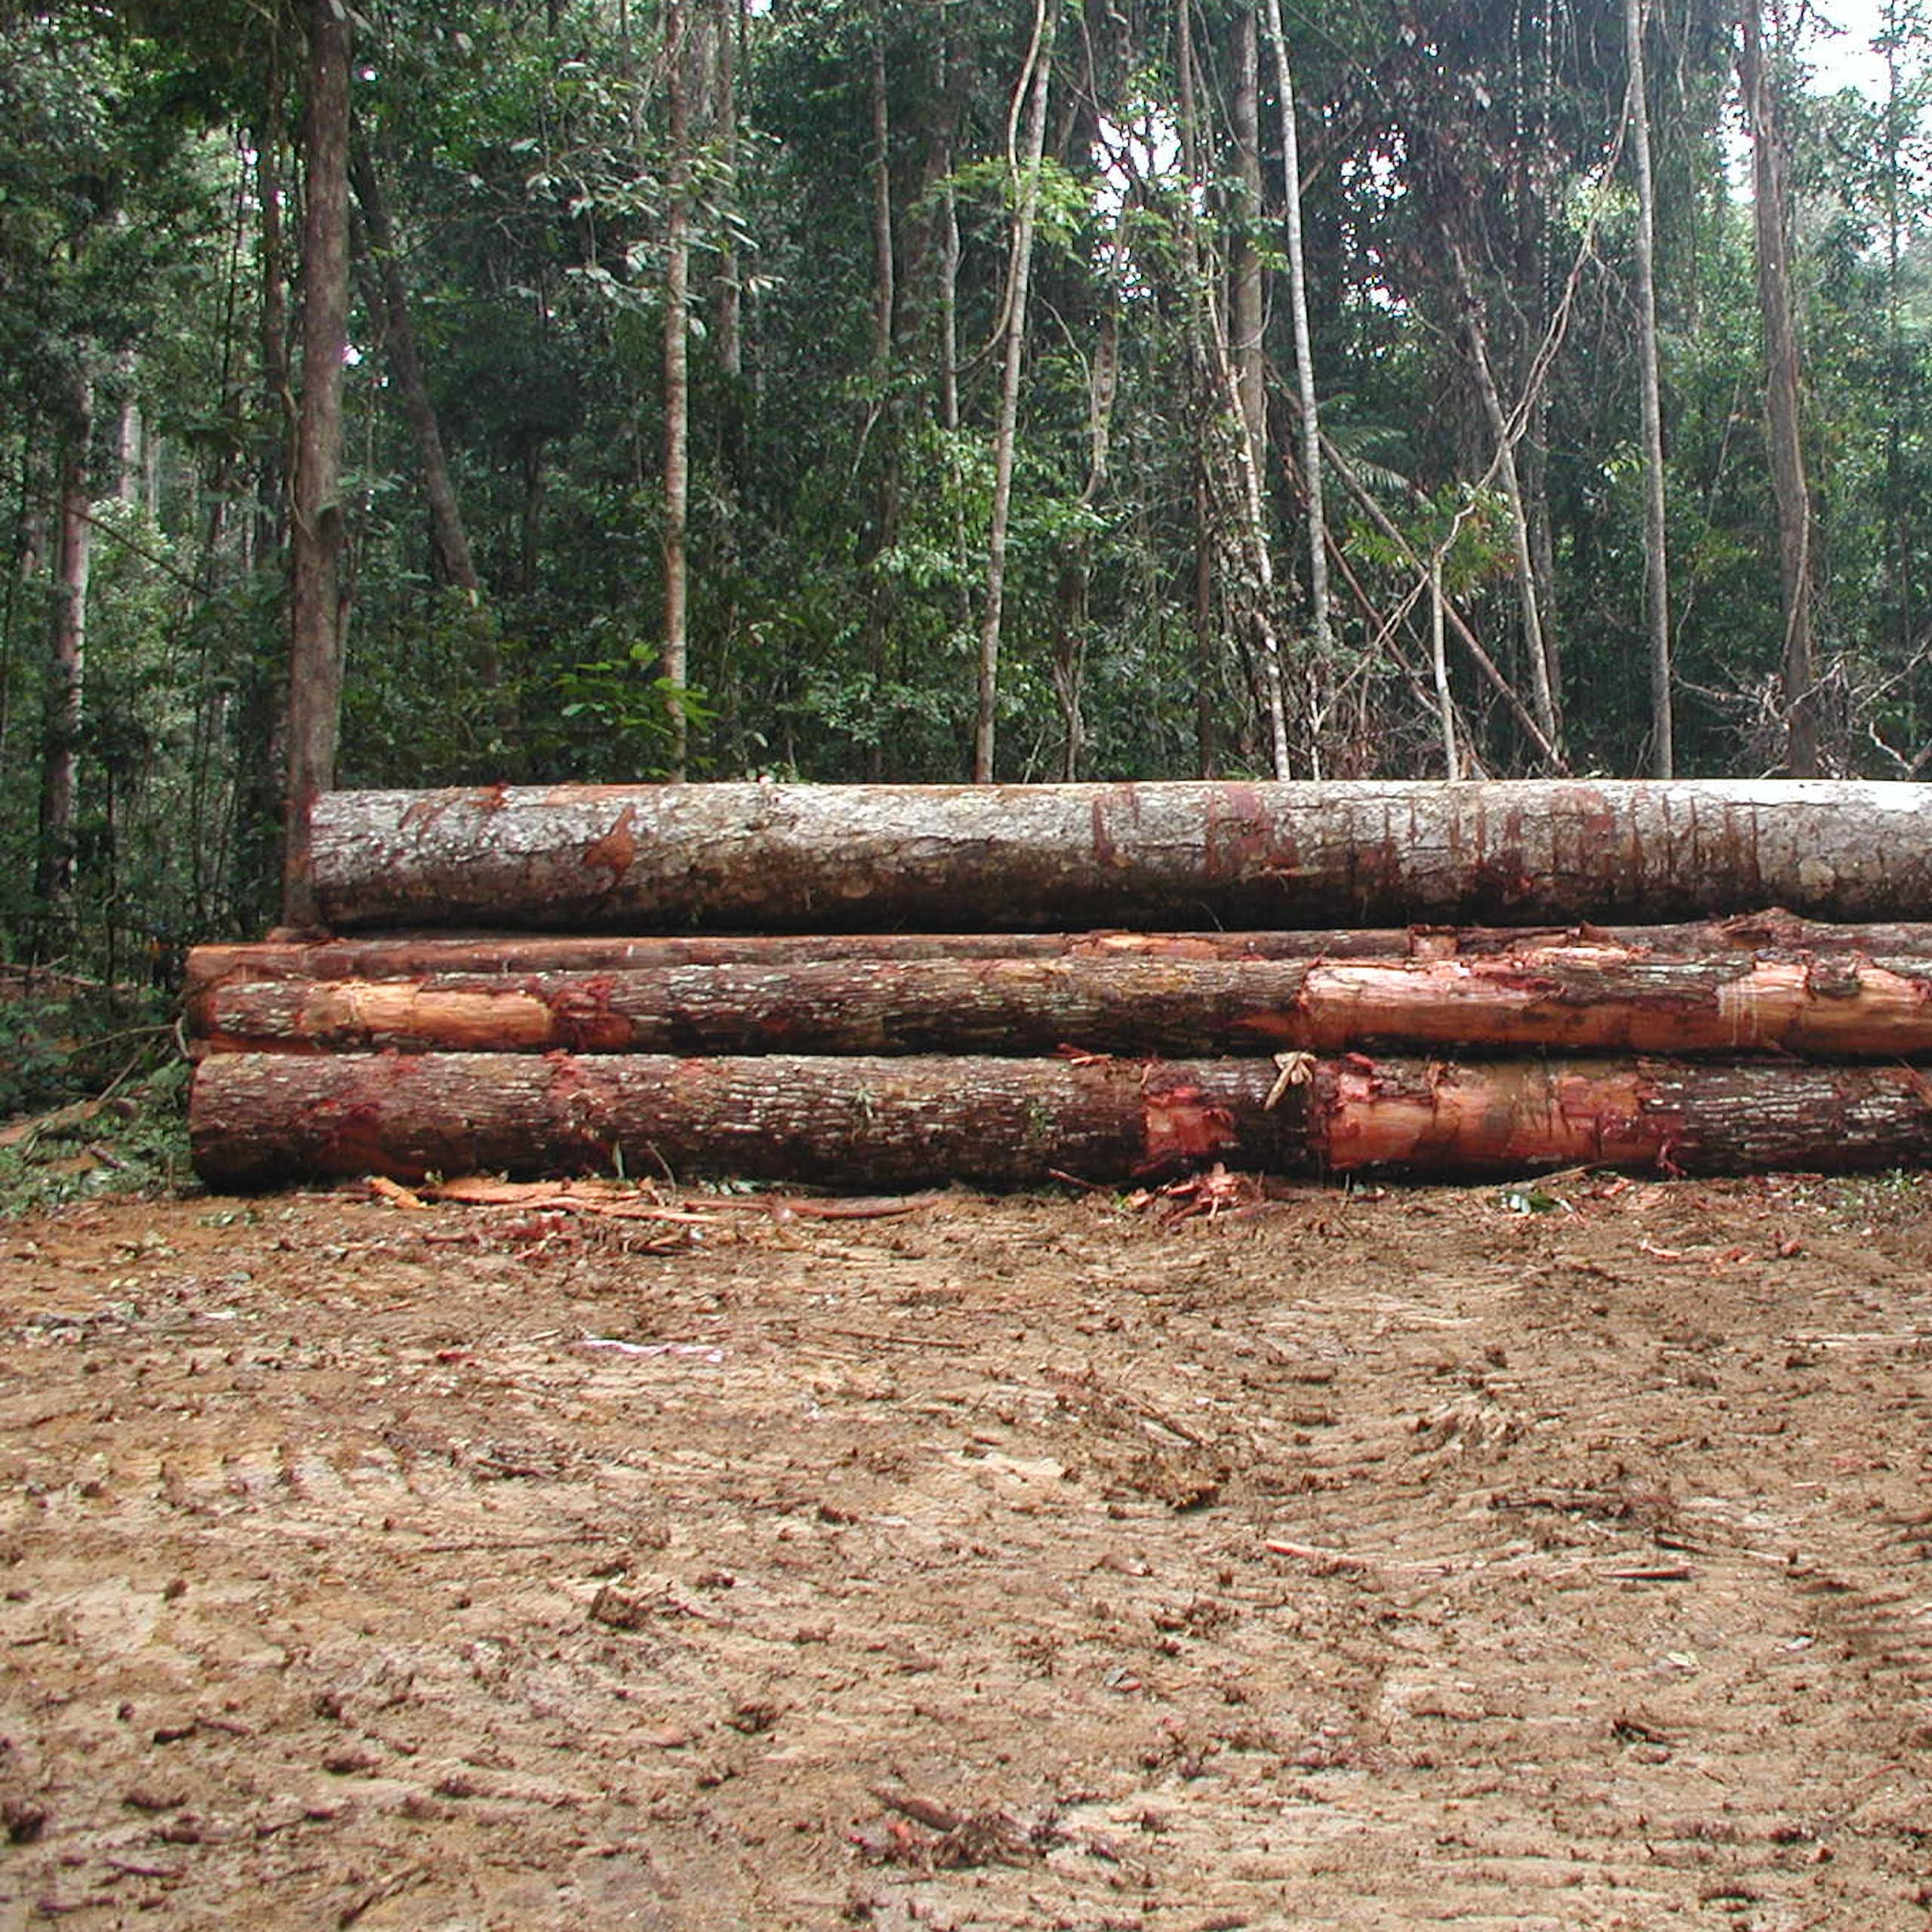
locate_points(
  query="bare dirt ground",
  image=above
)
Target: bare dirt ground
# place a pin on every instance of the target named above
(1371, 1560)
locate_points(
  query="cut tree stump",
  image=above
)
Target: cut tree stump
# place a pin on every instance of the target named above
(257, 1118)
(792, 857)
(1592, 998)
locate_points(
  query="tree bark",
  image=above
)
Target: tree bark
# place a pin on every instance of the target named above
(1773, 934)
(1310, 413)
(1027, 186)
(1245, 291)
(1439, 666)
(66, 663)
(315, 694)
(779, 858)
(1587, 998)
(129, 428)
(1656, 568)
(1783, 401)
(277, 405)
(884, 254)
(675, 660)
(728, 299)
(1207, 747)
(881, 404)
(258, 1118)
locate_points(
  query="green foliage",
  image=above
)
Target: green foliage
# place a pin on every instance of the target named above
(93, 1093)
(841, 482)
(628, 712)
(137, 1144)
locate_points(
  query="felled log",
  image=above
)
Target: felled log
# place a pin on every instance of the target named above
(792, 857)
(413, 954)
(407, 955)
(258, 1118)
(1574, 999)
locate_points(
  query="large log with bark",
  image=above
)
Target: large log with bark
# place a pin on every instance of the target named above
(408, 955)
(792, 857)
(1573, 997)
(255, 1119)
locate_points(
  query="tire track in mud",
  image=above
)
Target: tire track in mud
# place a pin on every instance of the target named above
(596, 1589)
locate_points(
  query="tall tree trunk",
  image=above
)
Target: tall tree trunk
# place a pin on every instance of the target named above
(881, 405)
(1214, 355)
(1539, 181)
(449, 541)
(261, 714)
(1207, 750)
(1245, 308)
(24, 566)
(948, 353)
(1311, 419)
(1783, 391)
(128, 430)
(1247, 374)
(949, 302)
(1899, 119)
(1657, 569)
(884, 255)
(1026, 170)
(1207, 540)
(315, 601)
(54, 870)
(674, 661)
(728, 318)
(728, 302)
(1438, 666)
(277, 405)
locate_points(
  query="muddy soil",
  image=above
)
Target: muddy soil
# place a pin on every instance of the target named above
(1556, 1559)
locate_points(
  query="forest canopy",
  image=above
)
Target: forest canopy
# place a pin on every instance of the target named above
(929, 389)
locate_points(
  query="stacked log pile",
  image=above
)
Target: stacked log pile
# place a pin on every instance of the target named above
(872, 985)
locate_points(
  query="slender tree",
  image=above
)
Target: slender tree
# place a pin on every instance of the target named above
(1783, 398)
(317, 610)
(674, 663)
(1024, 154)
(54, 875)
(1311, 418)
(1246, 309)
(1657, 566)
(448, 537)
(1229, 458)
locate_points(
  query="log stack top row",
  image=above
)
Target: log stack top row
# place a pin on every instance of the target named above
(803, 858)
(870, 985)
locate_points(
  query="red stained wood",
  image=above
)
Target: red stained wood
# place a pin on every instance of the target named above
(867, 1121)
(1575, 997)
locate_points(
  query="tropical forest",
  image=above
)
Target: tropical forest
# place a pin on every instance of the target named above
(927, 390)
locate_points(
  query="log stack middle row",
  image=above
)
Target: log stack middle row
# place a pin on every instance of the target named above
(869, 985)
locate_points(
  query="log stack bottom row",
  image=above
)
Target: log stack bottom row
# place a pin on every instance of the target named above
(653, 1031)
